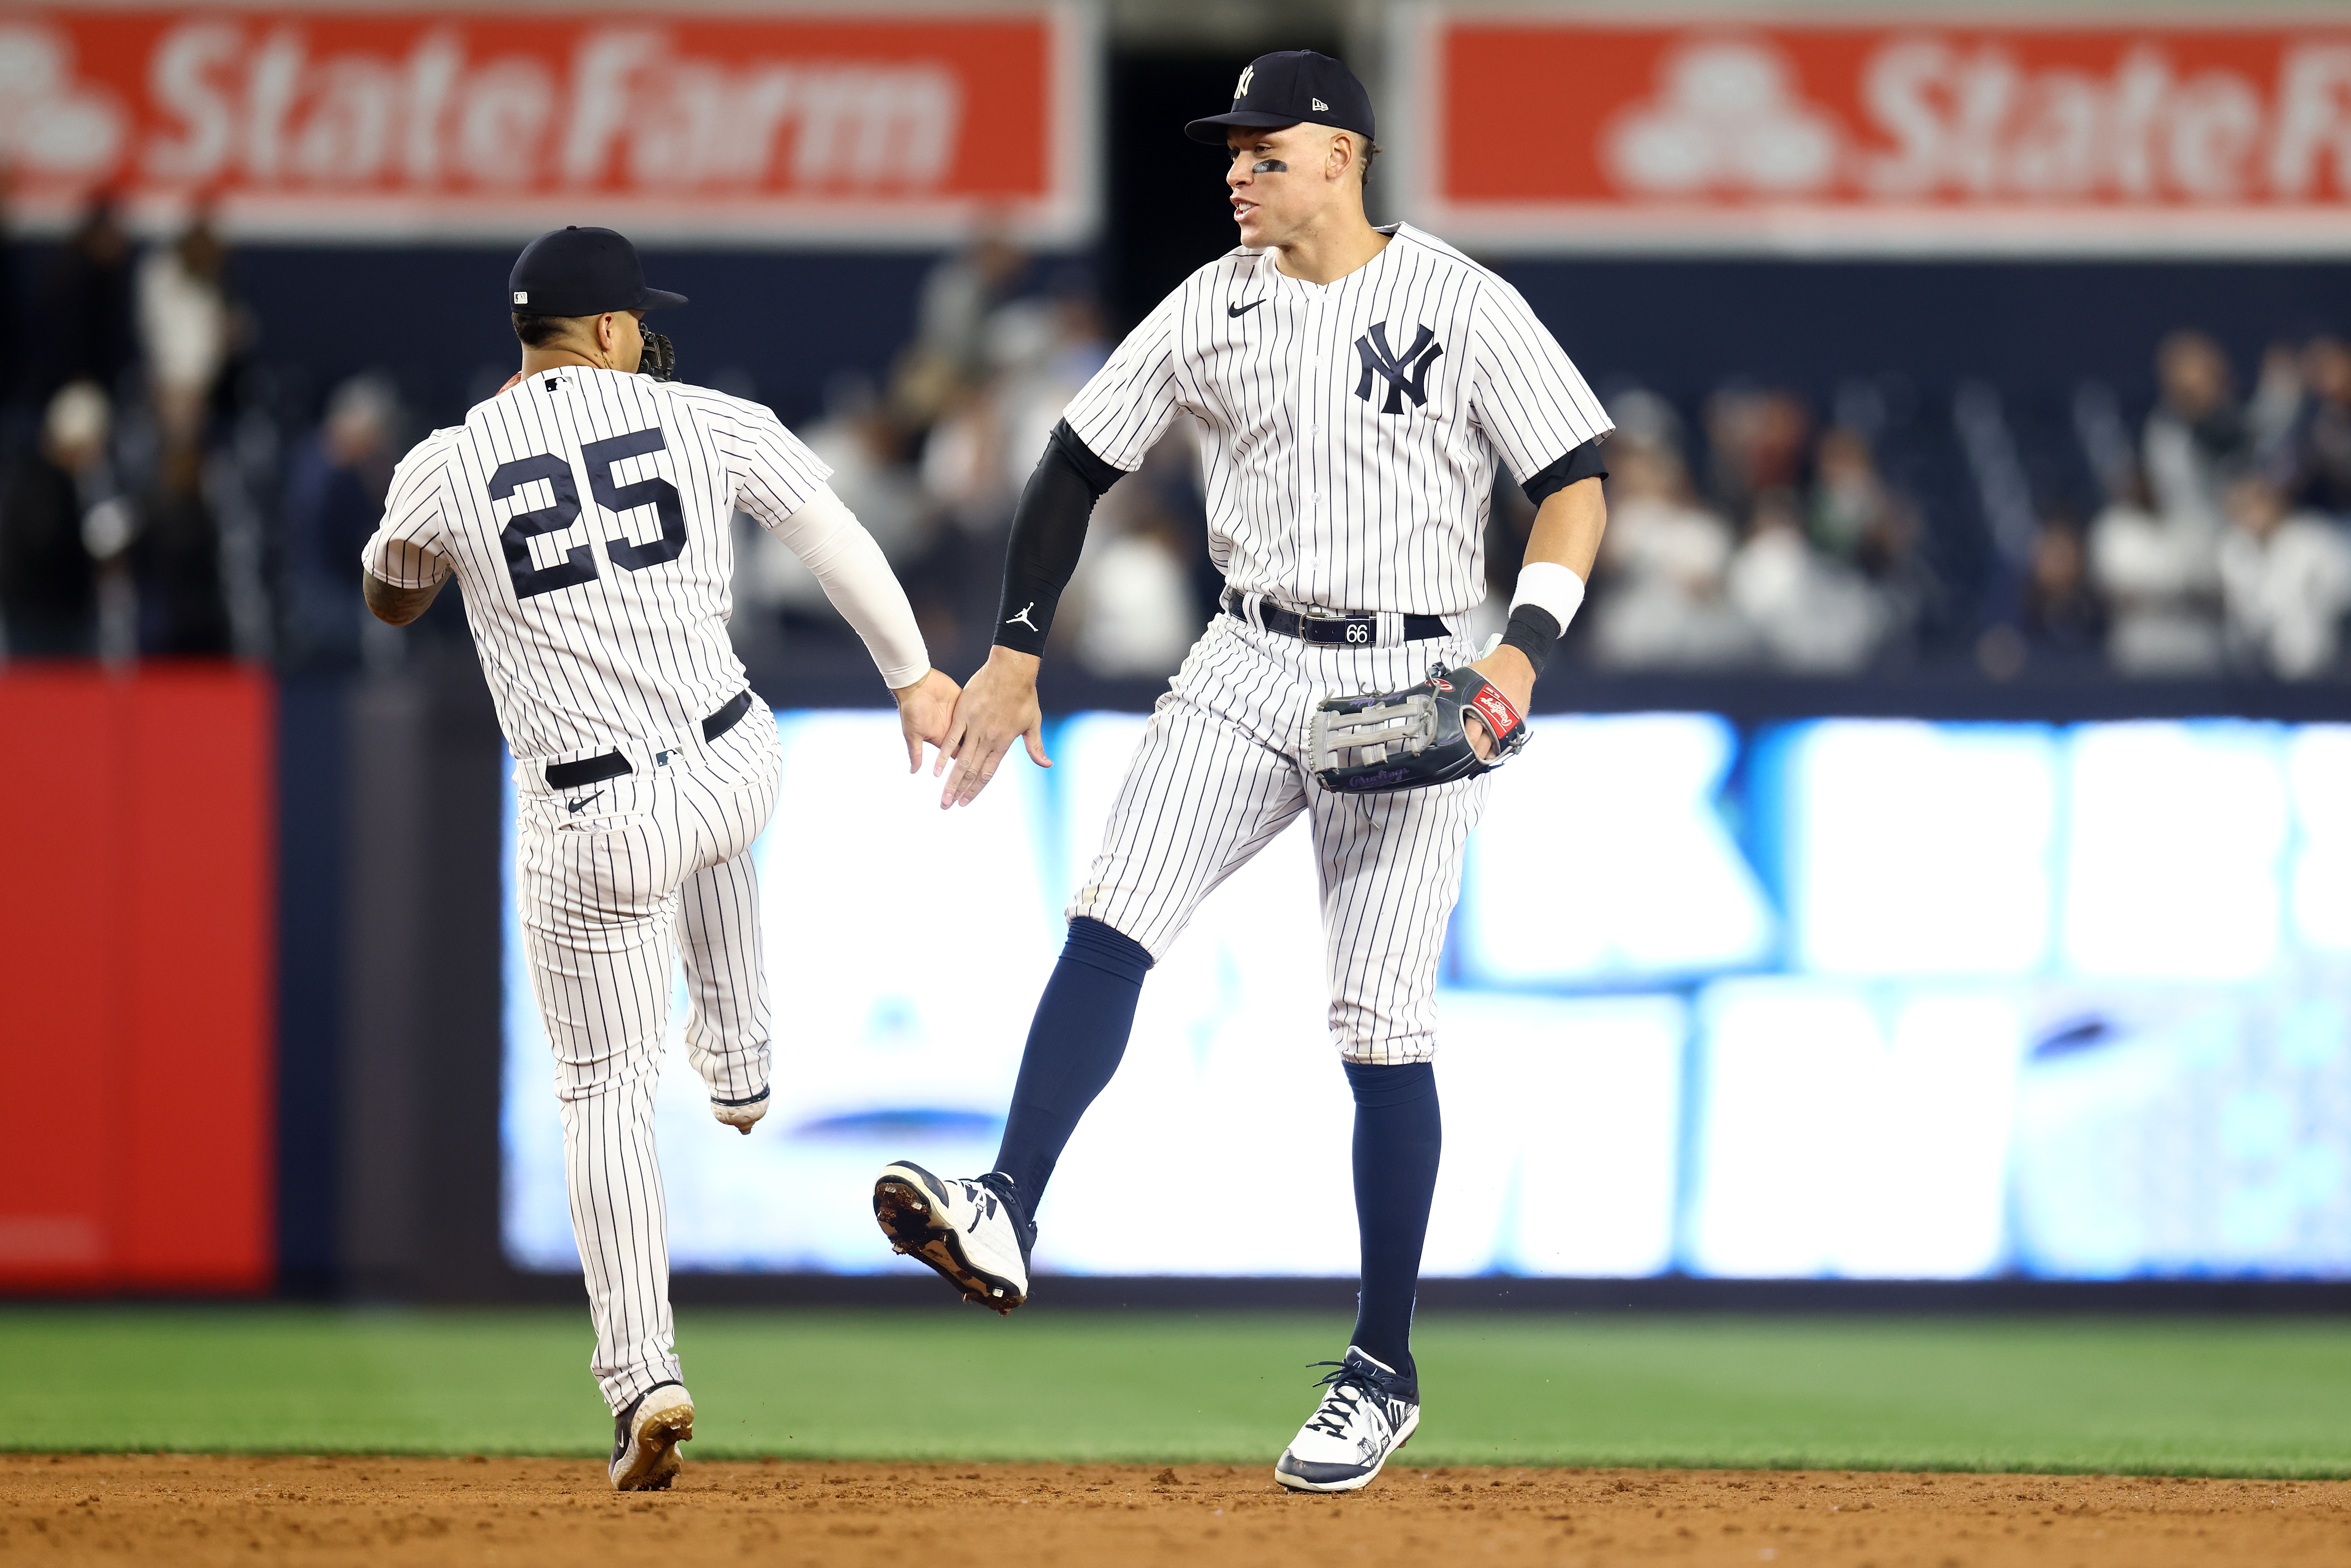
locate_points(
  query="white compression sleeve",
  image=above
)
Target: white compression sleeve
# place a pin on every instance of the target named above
(834, 545)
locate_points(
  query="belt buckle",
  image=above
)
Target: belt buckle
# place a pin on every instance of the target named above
(1349, 630)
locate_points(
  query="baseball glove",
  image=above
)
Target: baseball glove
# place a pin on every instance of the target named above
(660, 359)
(1415, 737)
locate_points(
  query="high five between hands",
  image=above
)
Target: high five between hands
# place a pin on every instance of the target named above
(926, 714)
(998, 706)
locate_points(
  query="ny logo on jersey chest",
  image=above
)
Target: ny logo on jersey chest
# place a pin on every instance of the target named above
(1407, 374)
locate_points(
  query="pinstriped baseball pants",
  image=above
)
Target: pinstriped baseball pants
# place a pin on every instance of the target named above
(650, 867)
(1222, 769)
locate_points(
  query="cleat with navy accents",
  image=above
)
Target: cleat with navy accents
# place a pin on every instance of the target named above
(1368, 1412)
(976, 1234)
(646, 1438)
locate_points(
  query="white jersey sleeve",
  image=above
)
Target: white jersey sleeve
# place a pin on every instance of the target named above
(1525, 394)
(411, 548)
(772, 473)
(1124, 411)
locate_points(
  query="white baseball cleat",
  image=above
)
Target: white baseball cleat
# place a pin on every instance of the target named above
(740, 1114)
(976, 1233)
(646, 1438)
(1367, 1413)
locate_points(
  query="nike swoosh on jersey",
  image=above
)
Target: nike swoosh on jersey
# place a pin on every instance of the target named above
(1243, 309)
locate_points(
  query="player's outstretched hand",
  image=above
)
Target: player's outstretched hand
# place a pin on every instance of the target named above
(998, 704)
(924, 711)
(1506, 668)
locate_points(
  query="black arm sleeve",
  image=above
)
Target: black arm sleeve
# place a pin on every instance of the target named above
(1584, 462)
(1048, 530)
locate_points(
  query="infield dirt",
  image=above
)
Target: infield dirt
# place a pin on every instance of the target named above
(453, 1513)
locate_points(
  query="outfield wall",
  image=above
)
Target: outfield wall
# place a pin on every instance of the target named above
(1858, 999)
(267, 1031)
(260, 1008)
(137, 946)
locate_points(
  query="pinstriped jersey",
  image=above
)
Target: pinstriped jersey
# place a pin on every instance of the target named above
(586, 516)
(1350, 429)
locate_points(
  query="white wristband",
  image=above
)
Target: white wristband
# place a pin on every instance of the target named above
(1552, 588)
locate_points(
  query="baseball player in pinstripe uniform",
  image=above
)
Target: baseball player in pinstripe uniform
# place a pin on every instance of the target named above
(586, 510)
(1355, 388)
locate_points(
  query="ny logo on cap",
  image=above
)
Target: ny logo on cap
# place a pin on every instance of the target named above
(1241, 89)
(1405, 374)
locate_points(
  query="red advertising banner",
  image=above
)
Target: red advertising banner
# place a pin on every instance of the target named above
(1567, 130)
(873, 124)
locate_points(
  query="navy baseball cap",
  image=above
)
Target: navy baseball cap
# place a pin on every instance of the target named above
(582, 272)
(1292, 87)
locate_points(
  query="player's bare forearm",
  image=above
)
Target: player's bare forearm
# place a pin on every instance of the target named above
(925, 709)
(395, 606)
(1568, 527)
(998, 707)
(1567, 532)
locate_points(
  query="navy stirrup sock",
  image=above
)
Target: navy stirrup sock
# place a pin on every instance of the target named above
(1074, 1045)
(1397, 1136)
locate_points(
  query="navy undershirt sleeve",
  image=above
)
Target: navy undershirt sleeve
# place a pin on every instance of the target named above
(1048, 531)
(1583, 463)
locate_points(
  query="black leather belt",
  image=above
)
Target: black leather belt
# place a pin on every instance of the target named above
(612, 764)
(1356, 628)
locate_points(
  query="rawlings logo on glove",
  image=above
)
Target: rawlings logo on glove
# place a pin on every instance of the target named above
(1415, 737)
(1495, 708)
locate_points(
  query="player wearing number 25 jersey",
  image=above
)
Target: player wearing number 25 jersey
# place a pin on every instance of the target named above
(587, 511)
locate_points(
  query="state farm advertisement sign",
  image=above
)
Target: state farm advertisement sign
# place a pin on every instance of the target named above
(879, 124)
(1554, 132)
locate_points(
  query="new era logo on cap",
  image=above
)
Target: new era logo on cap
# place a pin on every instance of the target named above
(1319, 104)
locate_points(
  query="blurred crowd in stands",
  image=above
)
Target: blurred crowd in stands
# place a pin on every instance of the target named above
(933, 460)
(155, 501)
(2218, 540)
(116, 536)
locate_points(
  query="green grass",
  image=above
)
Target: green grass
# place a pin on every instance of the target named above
(2188, 1396)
